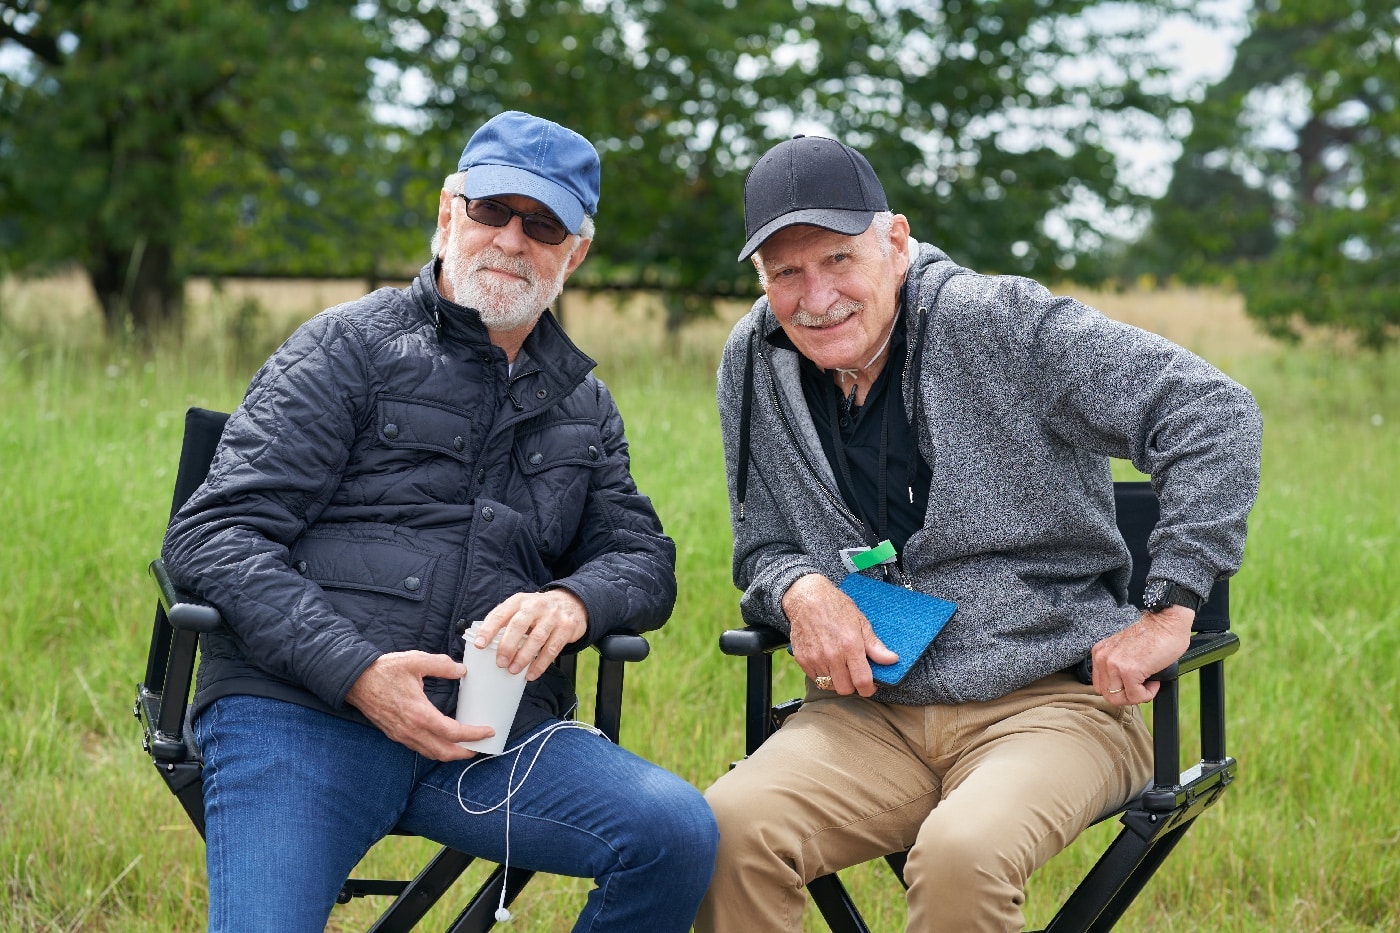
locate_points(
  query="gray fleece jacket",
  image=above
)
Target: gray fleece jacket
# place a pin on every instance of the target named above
(1019, 398)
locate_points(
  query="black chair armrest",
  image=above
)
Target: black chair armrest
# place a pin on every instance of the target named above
(751, 641)
(623, 647)
(183, 609)
(758, 642)
(1206, 648)
(190, 613)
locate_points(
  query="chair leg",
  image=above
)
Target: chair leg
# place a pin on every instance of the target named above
(1135, 882)
(480, 913)
(1115, 880)
(423, 892)
(608, 698)
(836, 905)
(897, 861)
(758, 724)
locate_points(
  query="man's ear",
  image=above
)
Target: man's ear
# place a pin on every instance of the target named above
(444, 221)
(576, 256)
(899, 240)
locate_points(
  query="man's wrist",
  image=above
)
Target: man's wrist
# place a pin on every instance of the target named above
(804, 591)
(1161, 593)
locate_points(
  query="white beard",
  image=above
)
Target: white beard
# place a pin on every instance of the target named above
(504, 304)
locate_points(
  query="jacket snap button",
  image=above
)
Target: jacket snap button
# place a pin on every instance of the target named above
(537, 458)
(480, 477)
(412, 583)
(541, 394)
(488, 513)
(458, 444)
(301, 566)
(391, 431)
(592, 452)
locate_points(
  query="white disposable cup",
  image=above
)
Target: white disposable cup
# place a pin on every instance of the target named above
(489, 695)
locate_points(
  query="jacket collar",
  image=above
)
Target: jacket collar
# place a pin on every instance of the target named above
(547, 350)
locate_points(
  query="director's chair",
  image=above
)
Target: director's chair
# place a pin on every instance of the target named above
(1153, 823)
(162, 700)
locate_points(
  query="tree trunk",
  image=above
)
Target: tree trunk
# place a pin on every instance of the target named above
(138, 289)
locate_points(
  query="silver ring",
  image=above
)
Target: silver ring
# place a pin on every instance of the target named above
(823, 682)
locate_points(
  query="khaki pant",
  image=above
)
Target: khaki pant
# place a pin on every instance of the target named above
(981, 794)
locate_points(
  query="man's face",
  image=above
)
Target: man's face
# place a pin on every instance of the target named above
(834, 295)
(506, 276)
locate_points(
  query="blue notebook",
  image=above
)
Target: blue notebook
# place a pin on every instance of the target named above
(904, 619)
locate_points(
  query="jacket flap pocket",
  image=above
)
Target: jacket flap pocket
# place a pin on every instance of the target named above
(560, 444)
(422, 425)
(357, 564)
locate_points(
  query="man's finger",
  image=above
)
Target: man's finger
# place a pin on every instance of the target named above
(877, 651)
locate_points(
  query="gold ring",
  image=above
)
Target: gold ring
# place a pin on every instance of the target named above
(1119, 690)
(823, 682)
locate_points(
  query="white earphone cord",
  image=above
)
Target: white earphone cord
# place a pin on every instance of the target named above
(853, 373)
(502, 914)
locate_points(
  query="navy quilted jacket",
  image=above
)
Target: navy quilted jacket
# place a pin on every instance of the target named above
(386, 478)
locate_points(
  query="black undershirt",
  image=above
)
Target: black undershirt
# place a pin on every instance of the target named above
(860, 433)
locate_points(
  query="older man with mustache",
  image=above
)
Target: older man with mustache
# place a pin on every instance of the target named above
(905, 436)
(405, 464)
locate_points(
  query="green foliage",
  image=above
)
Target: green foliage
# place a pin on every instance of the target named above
(953, 102)
(150, 138)
(143, 138)
(1286, 182)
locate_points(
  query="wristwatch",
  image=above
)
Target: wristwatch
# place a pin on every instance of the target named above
(1159, 594)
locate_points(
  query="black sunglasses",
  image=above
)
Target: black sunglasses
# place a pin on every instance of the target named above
(541, 227)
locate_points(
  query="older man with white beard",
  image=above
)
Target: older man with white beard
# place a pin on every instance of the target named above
(405, 464)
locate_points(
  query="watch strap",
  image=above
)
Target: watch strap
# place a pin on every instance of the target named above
(1159, 594)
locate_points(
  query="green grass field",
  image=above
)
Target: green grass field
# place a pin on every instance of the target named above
(1308, 840)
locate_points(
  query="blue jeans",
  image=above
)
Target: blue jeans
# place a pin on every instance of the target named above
(293, 798)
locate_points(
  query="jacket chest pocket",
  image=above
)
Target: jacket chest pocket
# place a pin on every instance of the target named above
(413, 424)
(557, 463)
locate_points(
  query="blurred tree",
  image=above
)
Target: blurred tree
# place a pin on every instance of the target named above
(989, 121)
(1287, 182)
(143, 137)
(151, 137)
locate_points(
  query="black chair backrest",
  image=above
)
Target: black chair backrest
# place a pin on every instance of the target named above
(203, 429)
(1138, 511)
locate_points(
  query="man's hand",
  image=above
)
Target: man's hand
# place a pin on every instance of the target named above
(537, 627)
(390, 694)
(1124, 661)
(831, 637)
